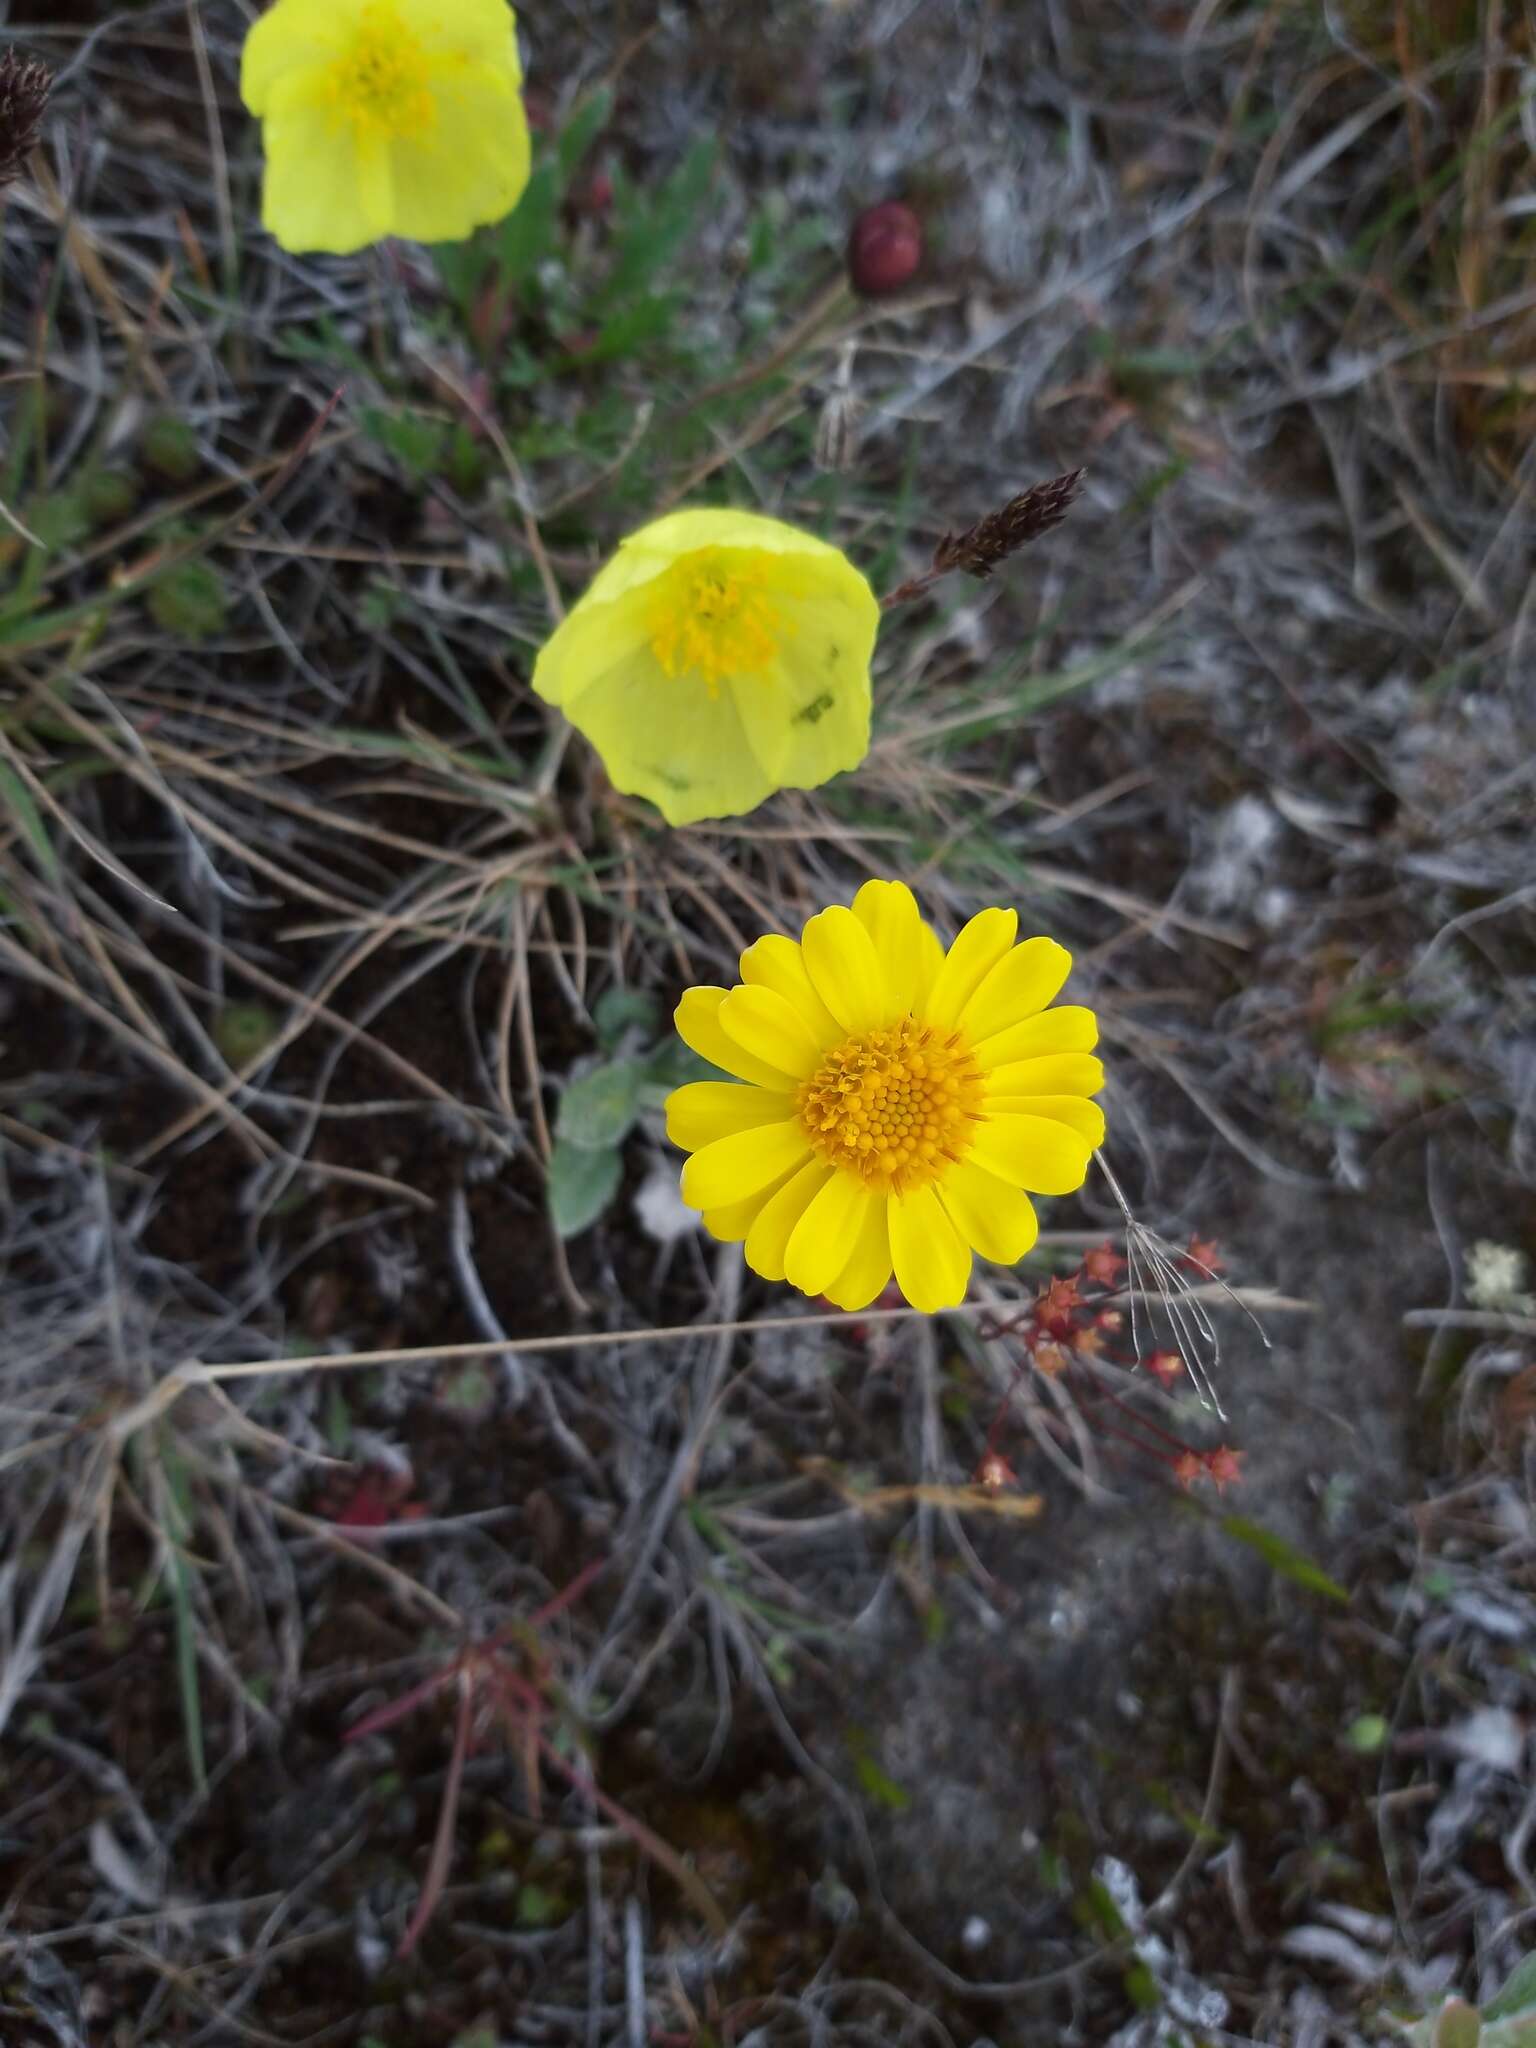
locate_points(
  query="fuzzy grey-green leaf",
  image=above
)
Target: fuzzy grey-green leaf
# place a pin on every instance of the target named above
(581, 1185)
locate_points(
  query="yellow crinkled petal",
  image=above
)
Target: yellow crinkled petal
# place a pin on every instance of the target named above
(808, 717)
(482, 29)
(643, 556)
(591, 646)
(827, 1235)
(778, 963)
(333, 183)
(768, 1026)
(997, 1219)
(1075, 1111)
(932, 1261)
(471, 168)
(845, 970)
(733, 1168)
(293, 36)
(712, 746)
(1020, 985)
(980, 945)
(1062, 1073)
(668, 738)
(888, 912)
(868, 1271)
(702, 1111)
(319, 191)
(774, 1225)
(697, 1018)
(1031, 1152)
(1070, 1028)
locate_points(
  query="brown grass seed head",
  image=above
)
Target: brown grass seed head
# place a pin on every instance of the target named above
(982, 547)
(24, 88)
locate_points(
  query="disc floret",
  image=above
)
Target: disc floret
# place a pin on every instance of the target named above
(894, 1106)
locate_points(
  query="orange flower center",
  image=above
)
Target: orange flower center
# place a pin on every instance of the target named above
(711, 614)
(378, 82)
(895, 1107)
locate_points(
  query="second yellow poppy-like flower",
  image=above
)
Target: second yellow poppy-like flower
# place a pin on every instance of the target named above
(718, 657)
(900, 1103)
(386, 117)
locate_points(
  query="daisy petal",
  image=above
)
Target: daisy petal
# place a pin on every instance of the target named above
(705, 1110)
(768, 1026)
(845, 969)
(1075, 1111)
(777, 963)
(867, 1272)
(1068, 1028)
(768, 1239)
(933, 1263)
(697, 1018)
(888, 912)
(1019, 986)
(731, 1223)
(827, 1234)
(1063, 1073)
(733, 1168)
(1029, 1152)
(995, 1218)
(930, 961)
(977, 950)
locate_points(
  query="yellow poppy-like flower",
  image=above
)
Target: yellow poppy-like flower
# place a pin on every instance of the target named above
(899, 1100)
(385, 117)
(718, 657)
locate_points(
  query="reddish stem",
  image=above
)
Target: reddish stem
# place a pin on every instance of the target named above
(395, 1710)
(441, 1862)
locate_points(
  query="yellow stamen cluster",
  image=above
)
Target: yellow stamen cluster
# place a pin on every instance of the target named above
(376, 83)
(711, 613)
(895, 1106)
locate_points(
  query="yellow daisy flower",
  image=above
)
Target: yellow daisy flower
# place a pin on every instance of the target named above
(899, 1100)
(718, 657)
(385, 117)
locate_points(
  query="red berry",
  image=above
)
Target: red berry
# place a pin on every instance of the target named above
(884, 249)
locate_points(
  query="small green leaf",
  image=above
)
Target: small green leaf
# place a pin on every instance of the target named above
(598, 1109)
(1517, 1994)
(656, 227)
(526, 238)
(1100, 1910)
(537, 1907)
(471, 1389)
(1367, 1733)
(243, 1031)
(188, 601)
(881, 1785)
(582, 130)
(16, 799)
(581, 1185)
(618, 1010)
(338, 1421)
(169, 446)
(1458, 2025)
(1141, 1988)
(414, 439)
(1283, 1557)
(673, 1065)
(108, 496)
